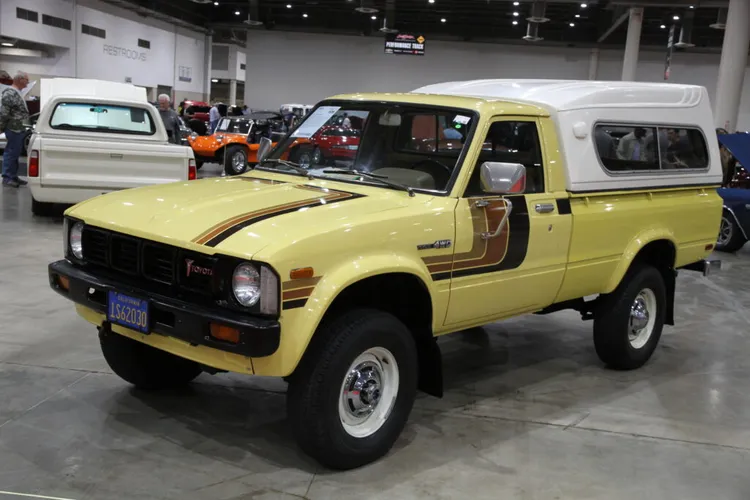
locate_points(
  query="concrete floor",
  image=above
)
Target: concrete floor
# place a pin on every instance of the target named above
(529, 412)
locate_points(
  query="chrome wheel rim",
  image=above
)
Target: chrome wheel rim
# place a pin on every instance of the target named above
(369, 392)
(642, 318)
(725, 232)
(238, 162)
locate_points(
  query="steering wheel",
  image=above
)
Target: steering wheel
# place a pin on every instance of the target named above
(433, 162)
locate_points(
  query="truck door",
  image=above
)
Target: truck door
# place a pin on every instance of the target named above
(107, 147)
(521, 268)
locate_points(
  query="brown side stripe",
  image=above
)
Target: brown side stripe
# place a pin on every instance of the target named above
(227, 228)
(296, 292)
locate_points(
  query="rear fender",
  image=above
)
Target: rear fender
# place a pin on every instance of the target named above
(633, 249)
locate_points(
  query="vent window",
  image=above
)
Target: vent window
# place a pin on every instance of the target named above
(90, 30)
(145, 44)
(56, 22)
(27, 15)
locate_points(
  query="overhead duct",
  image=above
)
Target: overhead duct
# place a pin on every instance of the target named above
(538, 9)
(366, 7)
(686, 31)
(721, 20)
(389, 20)
(253, 19)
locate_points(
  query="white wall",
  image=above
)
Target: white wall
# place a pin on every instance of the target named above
(174, 53)
(358, 64)
(241, 59)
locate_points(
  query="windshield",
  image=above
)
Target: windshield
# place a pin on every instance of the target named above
(234, 126)
(415, 146)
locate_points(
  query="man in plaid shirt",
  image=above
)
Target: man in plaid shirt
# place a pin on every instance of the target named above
(13, 115)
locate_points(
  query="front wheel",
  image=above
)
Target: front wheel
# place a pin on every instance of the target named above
(351, 395)
(628, 322)
(236, 160)
(730, 237)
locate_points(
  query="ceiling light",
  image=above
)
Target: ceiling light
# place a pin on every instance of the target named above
(6, 44)
(430, 1)
(572, 25)
(288, 6)
(583, 5)
(515, 23)
(214, 80)
(515, 14)
(578, 15)
(443, 20)
(304, 15)
(516, 4)
(692, 6)
(216, 3)
(374, 18)
(236, 12)
(662, 26)
(676, 18)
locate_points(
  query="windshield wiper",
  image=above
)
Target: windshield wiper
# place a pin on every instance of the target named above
(378, 178)
(290, 164)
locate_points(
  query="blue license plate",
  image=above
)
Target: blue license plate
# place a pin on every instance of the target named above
(128, 311)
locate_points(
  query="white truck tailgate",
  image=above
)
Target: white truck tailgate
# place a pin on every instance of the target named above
(107, 165)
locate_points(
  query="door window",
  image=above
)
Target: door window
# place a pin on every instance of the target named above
(511, 142)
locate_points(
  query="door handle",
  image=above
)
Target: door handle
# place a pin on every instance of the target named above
(544, 208)
(115, 155)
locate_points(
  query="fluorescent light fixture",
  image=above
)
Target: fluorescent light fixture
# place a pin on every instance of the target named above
(216, 3)
(516, 4)
(676, 18)
(288, 6)
(515, 23)
(304, 15)
(443, 20)
(516, 14)
(572, 25)
(663, 26)
(214, 80)
(374, 17)
(430, 1)
(583, 5)
(236, 12)
(6, 44)
(578, 15)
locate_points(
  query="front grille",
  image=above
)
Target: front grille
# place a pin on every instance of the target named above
(122, 255)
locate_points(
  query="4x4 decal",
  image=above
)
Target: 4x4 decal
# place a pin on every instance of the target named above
(506, 251)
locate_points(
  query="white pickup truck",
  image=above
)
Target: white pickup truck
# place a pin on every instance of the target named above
(93, 137)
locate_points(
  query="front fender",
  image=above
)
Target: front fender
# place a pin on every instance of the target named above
(299, 325)
(633, 249)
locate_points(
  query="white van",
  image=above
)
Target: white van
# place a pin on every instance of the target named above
(93, 137)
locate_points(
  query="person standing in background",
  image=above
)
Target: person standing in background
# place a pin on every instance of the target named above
(170, 119)
(13, 115)
(213, 118)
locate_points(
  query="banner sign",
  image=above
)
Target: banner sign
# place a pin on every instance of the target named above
(670, 47)
(405, 43)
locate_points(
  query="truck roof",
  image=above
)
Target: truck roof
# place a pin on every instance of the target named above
(54, 87)
(563, 95)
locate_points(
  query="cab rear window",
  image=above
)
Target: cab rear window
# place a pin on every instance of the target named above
(104, 118)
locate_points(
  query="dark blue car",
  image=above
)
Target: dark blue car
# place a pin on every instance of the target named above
(735, 221)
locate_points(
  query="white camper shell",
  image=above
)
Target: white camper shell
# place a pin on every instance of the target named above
(578, 107)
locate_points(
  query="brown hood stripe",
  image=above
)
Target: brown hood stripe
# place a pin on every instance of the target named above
(260, 180)
(227, 228)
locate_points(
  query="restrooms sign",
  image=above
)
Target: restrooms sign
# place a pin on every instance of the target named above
(115, 51)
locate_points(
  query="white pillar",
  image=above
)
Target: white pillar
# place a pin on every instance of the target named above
(207, 58)
(732, 65)
(632, 44)
(232, 92)
(593, 64)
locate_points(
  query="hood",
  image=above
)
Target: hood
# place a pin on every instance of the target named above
(237, 215)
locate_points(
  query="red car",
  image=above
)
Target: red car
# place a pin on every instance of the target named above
(335, 143)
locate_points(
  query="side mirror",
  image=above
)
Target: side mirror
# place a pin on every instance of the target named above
(264, 147)
(503, 178)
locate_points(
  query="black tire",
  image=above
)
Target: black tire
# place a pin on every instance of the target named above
(315, 388)
(26, 143)
(235, 160)
(41, 209)
(198, 164)
(730, 237)
(144, 366)
(612, 322)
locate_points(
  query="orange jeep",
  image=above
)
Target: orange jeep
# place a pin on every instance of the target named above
(234, 144)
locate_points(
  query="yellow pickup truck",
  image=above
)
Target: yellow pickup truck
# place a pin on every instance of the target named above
(460, 204)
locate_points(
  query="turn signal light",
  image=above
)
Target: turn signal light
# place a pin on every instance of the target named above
(709, 247)
(63, 282)
(192, 171)
(302, 273)
(34, 164)
(225, 333)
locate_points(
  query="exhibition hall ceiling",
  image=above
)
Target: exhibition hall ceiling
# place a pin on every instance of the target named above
(568, 23)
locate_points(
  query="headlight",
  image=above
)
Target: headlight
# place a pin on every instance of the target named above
(75, 240)
(246, 284)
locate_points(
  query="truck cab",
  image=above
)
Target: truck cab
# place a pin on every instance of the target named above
(461, 204)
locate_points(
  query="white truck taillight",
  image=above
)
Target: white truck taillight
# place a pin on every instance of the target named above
(34, 164)
(192, 170)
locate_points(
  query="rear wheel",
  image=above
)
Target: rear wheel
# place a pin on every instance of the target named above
(730, 237)
(629, 321)
(351, 395)
(235, 162)
(144, 366)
